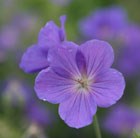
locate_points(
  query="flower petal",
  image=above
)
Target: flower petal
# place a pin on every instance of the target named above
(62, 29)
(49, 35)
(108, 87)
(53, 86)
(78, 110)
(81, 62)
(98, 54)
(64, 57)
(34, 59)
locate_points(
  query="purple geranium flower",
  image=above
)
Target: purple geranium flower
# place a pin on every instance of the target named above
(122, 120)
(16, 92)
(25, 22)
(104, 23)
(38, 114)
(80, 79)
(9, 37)
(36, 57)
(129, 58)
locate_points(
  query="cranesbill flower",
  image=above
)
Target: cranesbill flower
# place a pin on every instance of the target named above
(122, 120)
(104, 23)
(36, 56)
(80, 79)
(38, 114)
(128, 60)
(9, 38)
(25, 22)
(16, 92)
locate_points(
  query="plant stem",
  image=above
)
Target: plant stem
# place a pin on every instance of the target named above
(96, 127)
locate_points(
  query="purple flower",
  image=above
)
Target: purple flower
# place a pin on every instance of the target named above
(80, 79)
(9, 37)
(25, 22)
(104, 23)
(128, 59)
(16, 92)
(36, 57)
(122, 120)
(37, 114)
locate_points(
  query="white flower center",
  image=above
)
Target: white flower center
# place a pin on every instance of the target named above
(83, 83)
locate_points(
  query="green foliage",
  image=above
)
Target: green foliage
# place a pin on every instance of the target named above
(8, 131)
(136, 135)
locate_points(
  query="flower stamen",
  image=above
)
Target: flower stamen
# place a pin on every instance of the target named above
(82, 83)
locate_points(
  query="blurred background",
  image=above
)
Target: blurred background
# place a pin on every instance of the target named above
(22, 114)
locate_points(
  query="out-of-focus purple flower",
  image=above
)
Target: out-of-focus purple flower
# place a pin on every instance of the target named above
(9, 37)
(122, 120)
(36, 57)
(80, 79)
(104, 24)
(61, 2)
(130, 35)
(38, 114)
(25, 22)
(129, 57)
(16, 92)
